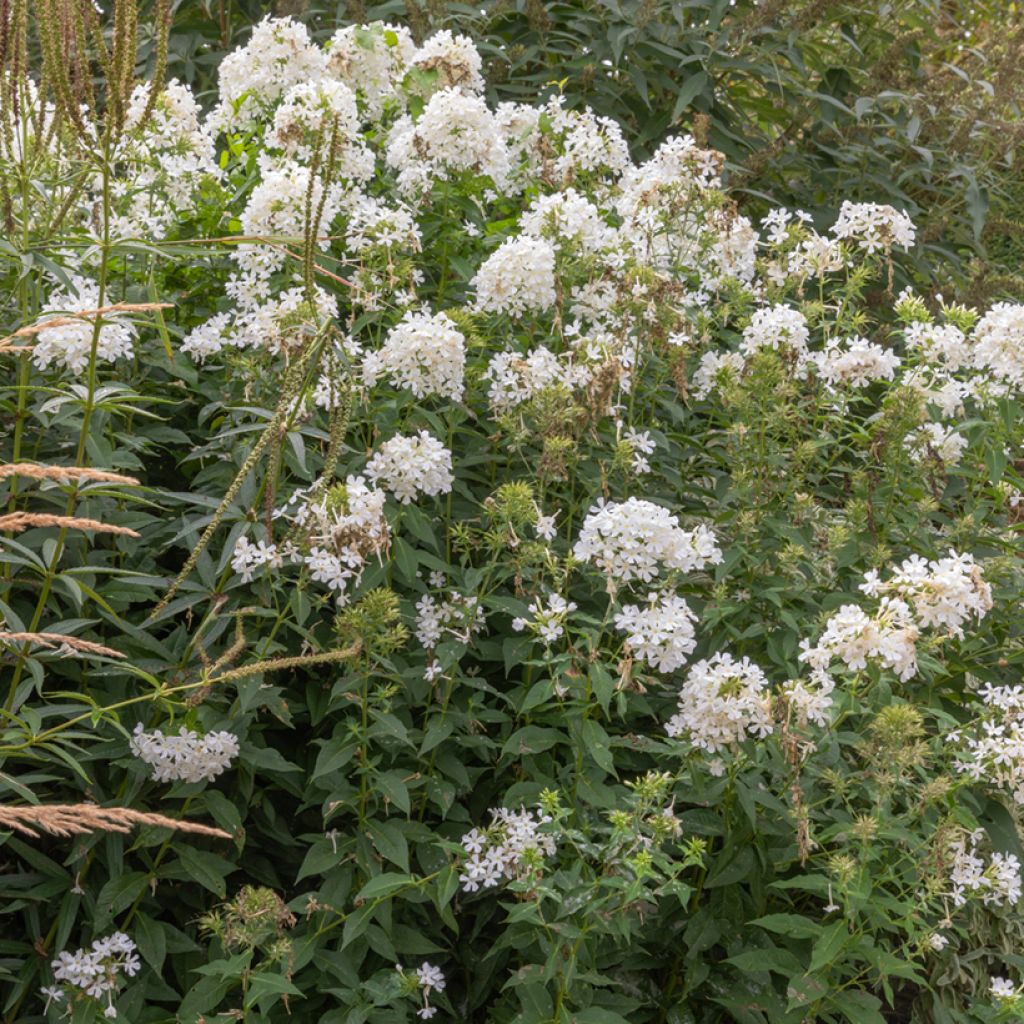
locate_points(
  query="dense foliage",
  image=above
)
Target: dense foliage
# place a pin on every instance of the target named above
(433, 537)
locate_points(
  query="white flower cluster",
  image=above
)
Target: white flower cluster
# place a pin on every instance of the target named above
(935, 443)
(997, 883)
(187, 757)
(854, 362)
(944, 593)
(409, 465)
(371, 60)
(518, 278)
(458, 615)
(279, 55)
(455, 134)
(874, 226)
(721, 703)
(889, 637)
(427, 978)
(569, 220)
(68, 344)
(547, 619)
(344, 529)
(919, 595)
(511, 847)
(660, 633)
(999, 342)
(1003, 990)
(777, 327)
(810, 700)
(96, 971)
(993, 751)
(423, 353)
(516, 378)
(634, 539)
(248, 558)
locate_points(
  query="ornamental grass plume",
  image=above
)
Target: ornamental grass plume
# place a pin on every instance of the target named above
(81, 819)
(16, 522)
(57, 641)
(34, 472)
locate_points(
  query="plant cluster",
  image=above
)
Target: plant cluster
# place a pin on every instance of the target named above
(570, 599)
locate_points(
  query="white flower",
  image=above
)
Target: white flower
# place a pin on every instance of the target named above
(278, 55)
(455, 134)
(516, 378)
(943, 345)
(713, 368)
(569, 220)
(519, 277)
(249, 557)
(999, 342)
(874, 226)
(548, 619)
(722, 701)
(997, 883)
(935, 443)
(408, 465)
(661, 634)
(371, 60)
(69, 343)
(943, 593)
(423, 353)
(634, 539)
(1001, 988)
(938, 941)
(453, 59)
(777, 327)
(187, 757)
(889, 638)
(458, 615)
(511, 847)
(96, 971)
(992, 750)
(854, 362)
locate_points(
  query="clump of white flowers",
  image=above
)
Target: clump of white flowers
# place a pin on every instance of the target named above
(456, 615)
(874, 226)
(997, 883)
(998, 341)
(888, 638)
(944, 593)
(547, 618)
(68, 344)
(660, 633)
(278, 55)
(635, 539)
(511, 848)
(410, 465)
(854, 362)
(935, 443)
(424, 353)
(425, 979)
(371, 60)
(722, 702)
(186, 757)
(95, 972)
(518, 278)
(992, 751)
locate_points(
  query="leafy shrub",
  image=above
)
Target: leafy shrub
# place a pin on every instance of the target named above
(496, 558)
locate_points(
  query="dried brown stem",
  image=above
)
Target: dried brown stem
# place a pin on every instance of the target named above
(85, 314)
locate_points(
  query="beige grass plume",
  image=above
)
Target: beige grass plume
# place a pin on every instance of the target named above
(56, 640)
(34, 472)
(81, 819)
(85, 314)
(18, 521)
